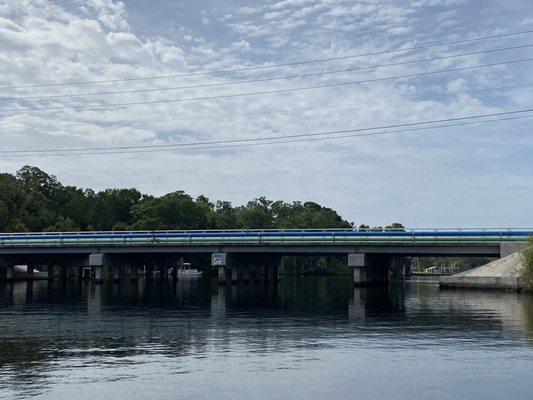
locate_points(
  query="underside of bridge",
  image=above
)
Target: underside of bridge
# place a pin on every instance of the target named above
(234, 263)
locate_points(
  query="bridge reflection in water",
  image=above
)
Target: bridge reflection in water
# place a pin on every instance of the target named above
(57, 336)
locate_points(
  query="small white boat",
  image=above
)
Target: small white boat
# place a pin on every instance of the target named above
(187, 271)
(21, 272)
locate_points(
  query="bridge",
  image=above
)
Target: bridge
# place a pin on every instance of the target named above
(245, 255)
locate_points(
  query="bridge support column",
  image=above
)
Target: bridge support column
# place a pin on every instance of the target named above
(221, 274)
(272, 273)
(259, 274)
(254, 274)
(65, 272)
(369, 268)
(236, 274)
(98, 271)
(176, 266)
(50, 274)
(29, 272)
(134, 270)
(97, 262)
(223, 262)
(247, 274)
(163, 273)
(117, 273)
(149, 273)
(10, 273)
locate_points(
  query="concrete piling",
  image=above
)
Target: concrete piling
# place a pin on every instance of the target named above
(369, 268)
(98, 273)
(117, 273)
(65, 273)
(149, 273)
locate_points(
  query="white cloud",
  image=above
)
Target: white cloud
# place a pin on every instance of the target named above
(369, 179)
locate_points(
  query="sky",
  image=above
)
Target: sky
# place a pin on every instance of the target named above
(54, 56)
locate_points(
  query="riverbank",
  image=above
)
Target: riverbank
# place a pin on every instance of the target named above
(504, 273)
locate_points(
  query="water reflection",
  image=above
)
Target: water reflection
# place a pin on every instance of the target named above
(55, 336)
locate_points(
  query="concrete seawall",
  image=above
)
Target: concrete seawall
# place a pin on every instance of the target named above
(500, 274)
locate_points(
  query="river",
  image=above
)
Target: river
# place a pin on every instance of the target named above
(304, 338)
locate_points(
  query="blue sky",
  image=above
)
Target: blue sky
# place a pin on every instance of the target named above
(475, 175)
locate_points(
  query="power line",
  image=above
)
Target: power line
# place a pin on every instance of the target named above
(300, 140)
(257, 113)
(266, 138)
(338, 84)
(263, 67)
(268, 79)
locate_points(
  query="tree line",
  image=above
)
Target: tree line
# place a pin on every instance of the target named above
(32, 200)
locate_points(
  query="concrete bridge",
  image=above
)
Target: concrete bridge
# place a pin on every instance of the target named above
(245, 255)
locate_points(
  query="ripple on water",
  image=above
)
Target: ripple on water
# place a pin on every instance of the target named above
(322, 340)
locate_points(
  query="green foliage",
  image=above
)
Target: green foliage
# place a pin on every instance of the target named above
(33, 200)
(172, 211)
(527, 272)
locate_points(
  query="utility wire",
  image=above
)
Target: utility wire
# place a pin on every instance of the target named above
(338, 84)
(423, 46)
(264, 138)
(258, 113)
(268, 79)
(300, 140)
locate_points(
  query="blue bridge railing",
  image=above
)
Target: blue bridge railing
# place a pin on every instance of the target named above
(265, 236)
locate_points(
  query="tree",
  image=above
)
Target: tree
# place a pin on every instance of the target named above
(396, 226)
(113, 207)
(33, 200)
(225, 216)
(256, 214)
(172, 211)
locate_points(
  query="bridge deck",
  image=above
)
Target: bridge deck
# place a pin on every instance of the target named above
(327, 241)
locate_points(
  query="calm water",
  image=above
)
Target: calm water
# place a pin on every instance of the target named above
(306, 338)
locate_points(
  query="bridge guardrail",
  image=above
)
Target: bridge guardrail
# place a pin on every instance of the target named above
(265, 236)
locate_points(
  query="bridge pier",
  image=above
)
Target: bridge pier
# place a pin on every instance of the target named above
(29, 272)
(149, 273)
(80, 274)
(246, 268)
(163, 272)
(134, 271)
(221, 274)
(98, 273)
(176, 265)
(65, 272)
(10, 273)
(236, 274)
(369, 268)
(117, 273)
(97, 262)
(272, 273)
(50, 272)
